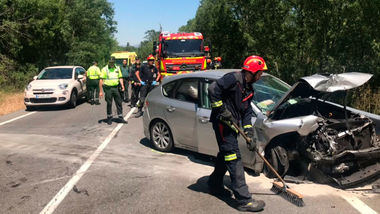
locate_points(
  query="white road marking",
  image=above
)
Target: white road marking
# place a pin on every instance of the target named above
(358, 204)
(16, 118)
(58, 198)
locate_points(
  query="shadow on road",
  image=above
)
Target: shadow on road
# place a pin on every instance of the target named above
(193, 156)
(201, 186)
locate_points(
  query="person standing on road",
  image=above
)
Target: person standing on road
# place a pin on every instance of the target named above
(93, 75)
(125, 72)
(135, 83)
(111, 77)
(148, 76)
(231, 97)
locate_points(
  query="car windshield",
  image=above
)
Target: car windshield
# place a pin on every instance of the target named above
(268, 91)
(55, 73)
(184, 47)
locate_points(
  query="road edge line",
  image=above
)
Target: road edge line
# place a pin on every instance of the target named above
(64, 191)
(356, 203)
(16, 118)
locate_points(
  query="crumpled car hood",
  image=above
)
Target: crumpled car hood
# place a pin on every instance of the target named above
(318, 84)
(337, 82)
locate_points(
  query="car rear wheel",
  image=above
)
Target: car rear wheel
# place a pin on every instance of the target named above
(161, 136)
(73, 99)
(278, 158)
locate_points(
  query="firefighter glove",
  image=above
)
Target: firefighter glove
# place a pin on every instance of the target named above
(225, 114)
(252, 143)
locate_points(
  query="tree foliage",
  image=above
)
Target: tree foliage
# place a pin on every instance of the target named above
(296, 37)
(38, 33)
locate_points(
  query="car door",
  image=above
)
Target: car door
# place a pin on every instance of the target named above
(205, 134)
(79, 83)
(181, 113)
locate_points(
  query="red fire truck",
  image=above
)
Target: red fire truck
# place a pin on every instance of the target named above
(179, 53)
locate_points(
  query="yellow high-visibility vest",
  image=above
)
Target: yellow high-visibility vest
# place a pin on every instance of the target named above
(111, 76)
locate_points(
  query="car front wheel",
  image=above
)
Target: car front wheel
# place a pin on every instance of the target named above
(161, 136)
(278, 158)
(73, 99)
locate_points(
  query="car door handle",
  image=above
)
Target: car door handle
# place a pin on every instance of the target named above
(170, 108)
(204, 119)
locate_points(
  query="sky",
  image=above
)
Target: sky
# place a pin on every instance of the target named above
(135, 17)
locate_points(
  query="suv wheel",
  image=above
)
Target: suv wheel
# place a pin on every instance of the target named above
(161, 136)
(278, 158)
(73, 99)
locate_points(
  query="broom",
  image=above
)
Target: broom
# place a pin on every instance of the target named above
(278, 187)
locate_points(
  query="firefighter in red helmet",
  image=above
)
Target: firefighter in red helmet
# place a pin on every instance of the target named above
(231, 97)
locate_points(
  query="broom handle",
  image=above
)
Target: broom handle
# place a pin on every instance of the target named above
(262, 157)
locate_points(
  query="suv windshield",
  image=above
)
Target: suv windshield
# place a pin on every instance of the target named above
(184, 47)
(55, 73)
(268, 91)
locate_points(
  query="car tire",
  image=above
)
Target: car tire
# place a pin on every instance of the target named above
(278, 158)
(30, 108)
(73, 99)
(161, 136)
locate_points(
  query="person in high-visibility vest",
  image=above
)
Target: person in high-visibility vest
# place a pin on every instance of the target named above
(93, 75)
(111, 78)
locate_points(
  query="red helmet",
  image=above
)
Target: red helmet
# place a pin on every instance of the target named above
(150, 57)
(254, 64)
(218, 58)
(208, 60)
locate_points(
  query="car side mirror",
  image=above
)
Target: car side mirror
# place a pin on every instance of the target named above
(80, 76)
(35, 77)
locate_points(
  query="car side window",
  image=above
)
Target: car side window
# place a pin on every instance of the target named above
(168, 89)
(188, 91)
(77, 72)
(205, 100)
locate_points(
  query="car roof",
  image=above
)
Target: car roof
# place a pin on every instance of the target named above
(63, 66)
(211, 74)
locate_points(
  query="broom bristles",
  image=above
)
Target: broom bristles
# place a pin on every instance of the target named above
(289, 194)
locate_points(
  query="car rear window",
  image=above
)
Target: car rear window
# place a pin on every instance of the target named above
(167, 89)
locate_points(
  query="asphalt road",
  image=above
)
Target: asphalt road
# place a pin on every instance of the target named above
(41, 153)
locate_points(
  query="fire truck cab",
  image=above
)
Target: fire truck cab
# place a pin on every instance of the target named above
(179, 53)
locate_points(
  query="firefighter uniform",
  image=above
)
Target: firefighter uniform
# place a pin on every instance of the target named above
(93, 75)
(233, 93)
(111, 83)
(148, 75)
(231, 97)
(135, 85)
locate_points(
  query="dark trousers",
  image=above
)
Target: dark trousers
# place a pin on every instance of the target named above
(135, 94)
(229, 159)
(145, 89)
(112, 92)
(92, 89)
(125, 94)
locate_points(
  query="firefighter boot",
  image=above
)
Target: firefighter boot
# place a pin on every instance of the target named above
(254, 206)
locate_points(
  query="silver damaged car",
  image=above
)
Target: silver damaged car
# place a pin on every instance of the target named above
(297, 128)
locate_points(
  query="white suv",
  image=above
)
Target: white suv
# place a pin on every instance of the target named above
(56, 85)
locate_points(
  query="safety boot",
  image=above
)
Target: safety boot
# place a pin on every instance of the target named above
(254, 206)
(121, 120)
(109, 120)
(97, 102)
(139, 114)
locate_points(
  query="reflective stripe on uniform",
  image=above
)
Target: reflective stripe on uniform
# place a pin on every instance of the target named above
(217, 104)
(247, 126)
(230, 157)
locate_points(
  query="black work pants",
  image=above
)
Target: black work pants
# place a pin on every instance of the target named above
(92, 89)
(135, 94)
(112, 93)
(145, 89)
(125, 94)
(229, 159)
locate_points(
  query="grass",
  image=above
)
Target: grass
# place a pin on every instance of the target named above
(11, 102)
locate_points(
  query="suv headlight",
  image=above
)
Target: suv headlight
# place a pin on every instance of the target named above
(63, 86)
(28, 87)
